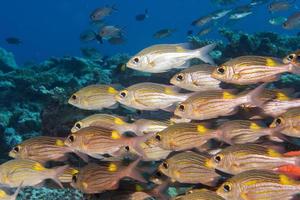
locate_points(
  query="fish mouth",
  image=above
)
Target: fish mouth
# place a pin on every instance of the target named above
(12, 154)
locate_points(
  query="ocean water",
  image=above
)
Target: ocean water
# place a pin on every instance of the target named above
(52, 28)
(40, 76)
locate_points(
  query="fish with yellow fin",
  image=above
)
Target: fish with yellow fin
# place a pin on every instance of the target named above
(94, 97)
(94, 178)
(28, 173)
(199, 194)
(246, 70)
(259, 185)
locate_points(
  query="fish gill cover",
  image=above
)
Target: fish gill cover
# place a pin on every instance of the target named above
(142, 99)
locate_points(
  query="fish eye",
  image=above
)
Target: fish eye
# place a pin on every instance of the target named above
(74, 97)
(278, 121)
(158, 174)
(291, 57)
(16, 149)
(165, 165)
(181, 107)
(217, 158)
(179, 77)
(158, 137)
(127, 148)
(221, 70)
(78, 125)
(136, 60)
(74, 178)
(123, 94)
(227, 187)
(71, 138)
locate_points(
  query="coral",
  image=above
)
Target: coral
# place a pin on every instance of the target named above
(7, 61)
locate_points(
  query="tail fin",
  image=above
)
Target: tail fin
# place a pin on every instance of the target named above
(253, 97)
(203, 53)
(132, 172)
(56, 172)
(137, 141)
(159, 191)
(275, 135)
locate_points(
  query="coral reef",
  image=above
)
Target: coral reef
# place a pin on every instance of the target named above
(7, 61)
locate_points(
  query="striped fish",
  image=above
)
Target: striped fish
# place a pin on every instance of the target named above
(290, 120)
(245, 131)
(293, 58)
(247, 70)
(94, 97)
(199, 194)
(184, 136)
(213, 104)
(189, 167)
(239, 158)
(28, 173)
(196, 78)
(112, 122)
(5, 196)
(94, 178)
(150, 96)
(259, 185)
(96, 141)
(41, 149)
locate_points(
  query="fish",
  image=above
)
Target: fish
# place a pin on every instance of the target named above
(280, 104)
(184, 136)
(108, 32)
(240, 12)
(87, 36)
(116, 40)
(107, 121)
(96, 141)
(42, 149)
(292, 22)
(28, 173)
(204, 31)
(146, 126)
(259, 185)
(94, 178)
(150, 96)
(218, 14)
(258, 2)
(189, 167)
(142, 17)
(214, 104)
(66, 176)
(94, 97)
(289, 121)
(100, 13)
(203, 20)
(5, 196)
(277, 20)
(244, 157)
(246, 70)
(280, 5)
(246, 131)
(292, 58)
(13, 40)
(164, 33)
(199, 194)
(196, 78)
(164, 57)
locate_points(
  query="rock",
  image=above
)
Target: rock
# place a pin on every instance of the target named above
(7, 61)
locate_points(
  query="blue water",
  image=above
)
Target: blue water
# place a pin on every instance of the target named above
(52, 27)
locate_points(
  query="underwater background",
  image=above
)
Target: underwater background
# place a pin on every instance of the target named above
(44, 57)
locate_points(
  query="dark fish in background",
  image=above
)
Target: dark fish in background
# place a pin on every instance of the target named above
(293, 21)
(143, 16)
(220, 13)
(204, 31)
(87, 36)
(163, 33)
(13, 40)
(91, 53)
(258, 2)
(277, 20)
(108, 32)
(202, 20)
(97, 24)
(224, 2)
(240, 12)
(189, 32)
(116, 40)
(280, 5)
(101, 13)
